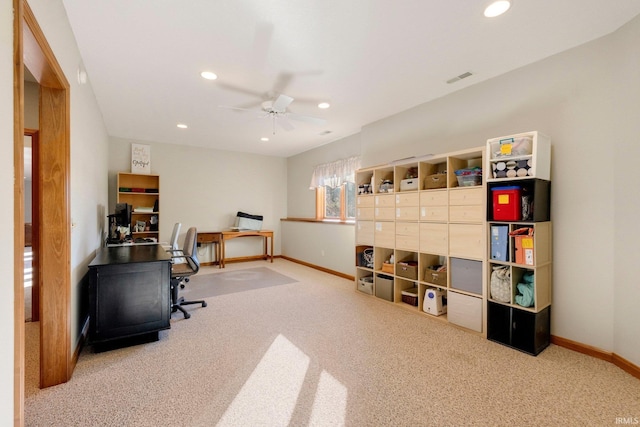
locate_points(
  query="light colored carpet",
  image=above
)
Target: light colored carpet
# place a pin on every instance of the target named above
(226, 282)
(317, 352)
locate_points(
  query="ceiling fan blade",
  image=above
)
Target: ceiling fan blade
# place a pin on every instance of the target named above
(240, 89)
(285, 123)
(280, 105)
(307, 119)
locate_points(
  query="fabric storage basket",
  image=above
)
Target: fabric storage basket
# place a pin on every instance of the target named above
(438, 180)
(435, 275)
(365, 284)
(407, 269)
(410, 296)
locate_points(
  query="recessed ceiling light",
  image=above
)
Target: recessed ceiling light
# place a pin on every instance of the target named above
(264, 139)
(208, 75)
(324, 105)
(182, 126)
(497, 8)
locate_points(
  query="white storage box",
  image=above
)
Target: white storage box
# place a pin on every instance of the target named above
(365, 284)
(464, 310)
(409, 184)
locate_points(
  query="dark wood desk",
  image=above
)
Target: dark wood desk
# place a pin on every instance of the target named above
(129, 293)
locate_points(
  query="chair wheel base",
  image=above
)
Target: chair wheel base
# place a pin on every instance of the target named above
(204, 304)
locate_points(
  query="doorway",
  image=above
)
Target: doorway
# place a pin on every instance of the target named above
(31, 50)
(31, 225)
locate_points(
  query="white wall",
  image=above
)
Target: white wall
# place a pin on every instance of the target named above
(623, 140)
(6, 213)
(205, 188)
(88, 155)
(306, 241)
(584, 100)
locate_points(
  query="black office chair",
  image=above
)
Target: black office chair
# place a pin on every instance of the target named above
(185, 264)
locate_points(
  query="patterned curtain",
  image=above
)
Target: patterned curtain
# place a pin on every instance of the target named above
(335, 173)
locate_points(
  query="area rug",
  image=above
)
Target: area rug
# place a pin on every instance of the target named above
(209, 285)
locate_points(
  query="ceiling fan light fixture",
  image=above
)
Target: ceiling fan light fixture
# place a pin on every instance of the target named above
(497, 8)
(208, 75)
(324, 105)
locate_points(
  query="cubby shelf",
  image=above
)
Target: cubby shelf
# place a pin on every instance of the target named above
(421, 214)
(519, 276)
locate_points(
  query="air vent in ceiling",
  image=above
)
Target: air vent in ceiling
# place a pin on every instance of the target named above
(326, 132)
(460, 77)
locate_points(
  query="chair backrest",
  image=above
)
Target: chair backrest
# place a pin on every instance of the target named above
(173, 243)
(190, 248)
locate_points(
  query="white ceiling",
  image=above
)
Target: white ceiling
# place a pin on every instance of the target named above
(369, 58)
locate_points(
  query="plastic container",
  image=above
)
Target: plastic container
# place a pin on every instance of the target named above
(507, 203)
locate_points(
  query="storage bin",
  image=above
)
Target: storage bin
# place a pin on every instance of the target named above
(507, 203)
(407, 269)
(410, 296)
(469, 177)
(432, 275)
(384, 287)
(409, 184)
(387, 268)
(500, 242)
(466, 275)
(365, 284)
(464, 310)
(438, 180)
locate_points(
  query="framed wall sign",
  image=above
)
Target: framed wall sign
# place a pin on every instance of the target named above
(140, 158)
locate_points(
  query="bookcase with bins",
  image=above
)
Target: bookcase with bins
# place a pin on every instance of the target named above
(424, 224)
(142, 192)
(520, 318)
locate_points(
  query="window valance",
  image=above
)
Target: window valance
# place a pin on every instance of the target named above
(333, 174)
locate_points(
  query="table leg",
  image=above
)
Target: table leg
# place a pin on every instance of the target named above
(272, 248)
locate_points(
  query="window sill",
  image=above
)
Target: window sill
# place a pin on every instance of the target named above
(321, 221)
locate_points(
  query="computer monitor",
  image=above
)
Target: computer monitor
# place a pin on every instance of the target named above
(123, 214)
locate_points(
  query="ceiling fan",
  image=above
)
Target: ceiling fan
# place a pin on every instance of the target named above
(276, 110)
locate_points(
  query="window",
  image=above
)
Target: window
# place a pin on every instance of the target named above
(336, 202)
(335, 189)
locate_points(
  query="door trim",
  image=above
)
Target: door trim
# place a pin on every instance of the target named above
(32, 50)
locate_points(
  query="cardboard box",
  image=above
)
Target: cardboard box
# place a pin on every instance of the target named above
(407, 269)
(524, 250)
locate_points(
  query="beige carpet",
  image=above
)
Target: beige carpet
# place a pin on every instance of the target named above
(316, 352)
(226, 282)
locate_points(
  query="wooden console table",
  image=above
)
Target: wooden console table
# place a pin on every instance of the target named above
(220, 237)
(211, 237)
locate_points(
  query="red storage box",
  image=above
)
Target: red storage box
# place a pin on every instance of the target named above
(507, 203)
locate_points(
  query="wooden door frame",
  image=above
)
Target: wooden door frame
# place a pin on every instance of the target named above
(31, 49)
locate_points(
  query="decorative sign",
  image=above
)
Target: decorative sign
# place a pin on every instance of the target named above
(140, 158)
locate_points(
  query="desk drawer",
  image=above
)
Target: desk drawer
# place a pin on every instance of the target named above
(467, 196)
(471, 213)
(385, 234)
(467, 241)
(408, 199)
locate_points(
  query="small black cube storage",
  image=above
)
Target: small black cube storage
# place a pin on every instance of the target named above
(521, 329)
